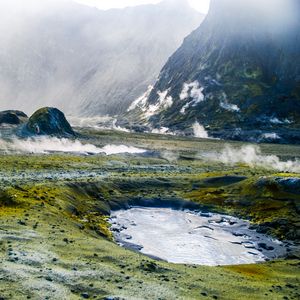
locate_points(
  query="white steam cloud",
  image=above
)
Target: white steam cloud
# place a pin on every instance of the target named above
(252, 156)
(170, 156)
(45, 145)
(199, 131)
(100, 122)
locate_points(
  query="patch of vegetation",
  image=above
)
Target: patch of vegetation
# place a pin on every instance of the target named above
(54, 210)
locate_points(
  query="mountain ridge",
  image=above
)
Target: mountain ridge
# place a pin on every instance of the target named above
(239, 82)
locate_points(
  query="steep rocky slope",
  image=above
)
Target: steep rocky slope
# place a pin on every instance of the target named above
(83, 60)
(238, 75)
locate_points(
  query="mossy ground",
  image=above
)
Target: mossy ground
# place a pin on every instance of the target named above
(54, 236)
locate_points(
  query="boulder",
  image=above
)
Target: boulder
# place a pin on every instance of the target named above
(12, 117)
(48, 121)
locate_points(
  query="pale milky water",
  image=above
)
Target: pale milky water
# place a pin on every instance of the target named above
(186, 237)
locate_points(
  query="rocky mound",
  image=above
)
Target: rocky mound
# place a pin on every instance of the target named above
(12, 117)
(48, 121)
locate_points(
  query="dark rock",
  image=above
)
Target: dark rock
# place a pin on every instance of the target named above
(263, 245)
(224, 180)
(48, 121)
(80, 226)
(12, 117)
(6, 199)
(49, 279)
(85, 295)
(149, 267)
(289, 185)
(22, 222)
(238, 233)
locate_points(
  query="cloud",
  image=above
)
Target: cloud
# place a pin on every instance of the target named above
(200, 5)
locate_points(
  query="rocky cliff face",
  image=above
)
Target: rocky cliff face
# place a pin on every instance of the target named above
(238, 75)
(82, 60)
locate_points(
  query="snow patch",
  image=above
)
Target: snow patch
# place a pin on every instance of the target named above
(162, 130)
(164, 102)
(275, 120)
(151, 110)
(191, 90)
(185, 107)
(142, 100)
(230, 107)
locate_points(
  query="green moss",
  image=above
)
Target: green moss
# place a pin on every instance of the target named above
(296, 91)
(254, 89)
(252, 73)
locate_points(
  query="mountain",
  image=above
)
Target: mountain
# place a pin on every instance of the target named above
(83, 60)
(238, 75)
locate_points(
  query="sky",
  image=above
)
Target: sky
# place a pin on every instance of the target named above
(201, 5)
